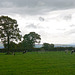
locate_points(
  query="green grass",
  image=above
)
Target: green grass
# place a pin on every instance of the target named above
(38, 63)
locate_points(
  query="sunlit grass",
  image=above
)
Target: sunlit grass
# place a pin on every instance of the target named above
(37, 63)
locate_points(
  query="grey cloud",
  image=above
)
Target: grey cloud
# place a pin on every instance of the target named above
(66, 16)
(44, 3)
(7, 4)
(41, 19)
(34, 26)
(31, 26)
(35, 6)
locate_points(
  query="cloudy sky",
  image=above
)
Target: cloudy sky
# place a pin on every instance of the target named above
(54, 20)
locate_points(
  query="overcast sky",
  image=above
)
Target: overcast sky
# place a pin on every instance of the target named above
(54, 20)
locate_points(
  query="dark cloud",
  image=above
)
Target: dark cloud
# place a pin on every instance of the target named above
(41, 19)
(35, 6)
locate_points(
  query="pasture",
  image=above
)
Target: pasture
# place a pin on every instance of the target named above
(38, 63)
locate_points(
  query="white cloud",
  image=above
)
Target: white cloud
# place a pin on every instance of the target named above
(54, 29)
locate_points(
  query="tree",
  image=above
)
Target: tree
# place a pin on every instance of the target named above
(9, 31)
(13, 45)
(30, 40)
(48, 46)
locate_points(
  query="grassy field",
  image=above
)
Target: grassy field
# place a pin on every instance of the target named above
(38, 63)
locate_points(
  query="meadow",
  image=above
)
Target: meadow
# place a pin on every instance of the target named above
(38, 63)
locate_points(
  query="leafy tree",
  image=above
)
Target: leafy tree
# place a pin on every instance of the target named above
(20, 46)
(52, 45)
(13, 45)
(47, 46)
(30, 40)
(9, 31)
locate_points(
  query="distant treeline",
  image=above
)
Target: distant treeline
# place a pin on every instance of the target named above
(39, 49)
